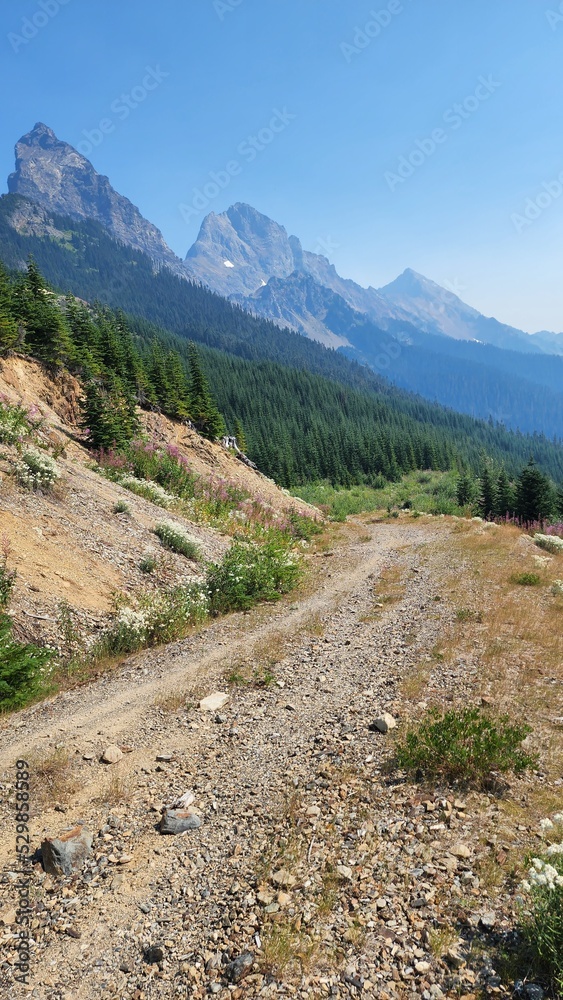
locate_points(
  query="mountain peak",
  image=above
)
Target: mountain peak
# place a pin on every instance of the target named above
(55, 176)
(239, 250)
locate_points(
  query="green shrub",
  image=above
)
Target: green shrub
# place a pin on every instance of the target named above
(7, 581)
(173, 537)
(464, 747)
(121, 507)
(37, 471)
(21, 668)
(149, 491)
(526, 579)
(147, 564)
(16, 423)
(543, 924)
(251, 573)
(159, 618)
(468, 615)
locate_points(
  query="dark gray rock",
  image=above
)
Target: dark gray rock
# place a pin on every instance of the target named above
(66, 853)
(154, 954)
(241, 967)
(179, 820)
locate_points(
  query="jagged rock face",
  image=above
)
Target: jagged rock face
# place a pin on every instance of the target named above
(238, 251)
(298, 301)
(54, 175)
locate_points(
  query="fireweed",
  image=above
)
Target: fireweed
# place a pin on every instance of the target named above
(162, 475)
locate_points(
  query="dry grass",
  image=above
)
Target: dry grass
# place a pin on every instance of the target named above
(287, 952)
(52, 779)
(512, 632)
(117, 791)
(414, 685)
(171, 701)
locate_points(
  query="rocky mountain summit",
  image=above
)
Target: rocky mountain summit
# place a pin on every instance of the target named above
(53, 175)
(239, 251)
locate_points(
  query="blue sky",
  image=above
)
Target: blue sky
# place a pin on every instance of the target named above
(370, 159)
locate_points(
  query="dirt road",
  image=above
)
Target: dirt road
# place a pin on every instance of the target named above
(288, 781)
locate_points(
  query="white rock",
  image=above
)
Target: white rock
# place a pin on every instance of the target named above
(112, 754)
(460, 851)
(385, 722)
(214, 701)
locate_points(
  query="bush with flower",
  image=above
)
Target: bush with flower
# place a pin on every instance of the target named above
(16, 422)
(543, 891)
(157, 618)
(175, 537)
(251, 573)
(551, 543)
(37, 471)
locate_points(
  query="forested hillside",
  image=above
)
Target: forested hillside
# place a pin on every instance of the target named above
(307, 412)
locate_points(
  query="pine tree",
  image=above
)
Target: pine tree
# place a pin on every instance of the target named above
(535, 499)
(505, 495)
(8, 327)
(47, 336)
(466, 491)
(240, 436)
(487, 493)
(202, 406)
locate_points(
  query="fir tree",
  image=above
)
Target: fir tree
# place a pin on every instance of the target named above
(466, 491)
(108, 413)
(47, 336)
(505, 495)
(240, 436)
(535, 498)
(203, 408)
(20, 669)
(487, 493)
(9, 335)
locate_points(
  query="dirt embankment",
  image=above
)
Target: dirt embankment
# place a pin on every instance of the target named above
(70, 547)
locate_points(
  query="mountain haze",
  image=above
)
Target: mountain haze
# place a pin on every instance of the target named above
(413, 332)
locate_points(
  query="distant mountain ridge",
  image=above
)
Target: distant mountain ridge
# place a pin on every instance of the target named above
(239, 251)
(417, 334)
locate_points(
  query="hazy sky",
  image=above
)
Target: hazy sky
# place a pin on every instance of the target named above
(337, 118)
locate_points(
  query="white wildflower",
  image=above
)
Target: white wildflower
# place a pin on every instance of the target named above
(551, 543)
(36, 470)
